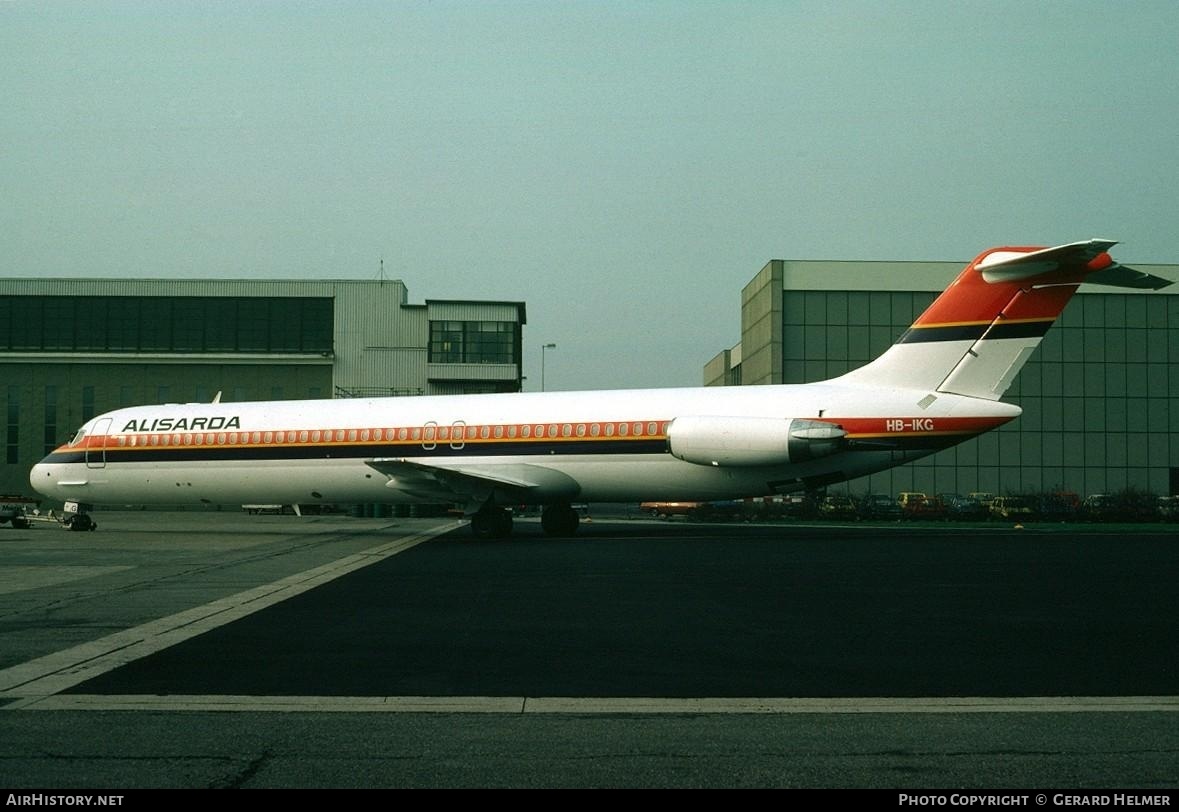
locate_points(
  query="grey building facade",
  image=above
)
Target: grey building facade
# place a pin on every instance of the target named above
(71, 349)
(1100, 394)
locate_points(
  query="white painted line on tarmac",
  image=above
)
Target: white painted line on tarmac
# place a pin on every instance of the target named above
(599, 706)
(62, 670)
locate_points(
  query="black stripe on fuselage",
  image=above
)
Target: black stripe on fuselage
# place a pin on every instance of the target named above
(973, 332)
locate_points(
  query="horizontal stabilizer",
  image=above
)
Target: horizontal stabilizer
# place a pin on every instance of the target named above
(1009, 265)
(1122, 277)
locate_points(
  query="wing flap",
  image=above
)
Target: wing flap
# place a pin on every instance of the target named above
(473, 481)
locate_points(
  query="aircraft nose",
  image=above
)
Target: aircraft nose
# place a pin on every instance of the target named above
(42, 478)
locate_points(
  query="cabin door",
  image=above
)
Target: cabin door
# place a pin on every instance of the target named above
(96, 444)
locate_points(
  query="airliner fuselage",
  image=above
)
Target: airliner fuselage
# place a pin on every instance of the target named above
(938, 385)
(583, 446)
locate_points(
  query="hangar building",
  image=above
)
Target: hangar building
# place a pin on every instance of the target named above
(71, 349)
(1100, 394)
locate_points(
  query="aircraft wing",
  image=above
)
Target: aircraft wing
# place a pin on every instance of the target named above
(472, 483)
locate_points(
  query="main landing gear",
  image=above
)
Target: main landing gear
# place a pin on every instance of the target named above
(491, 522)
(494, 522)
(559, 521)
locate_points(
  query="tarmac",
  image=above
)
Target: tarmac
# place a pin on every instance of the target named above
(216, 649)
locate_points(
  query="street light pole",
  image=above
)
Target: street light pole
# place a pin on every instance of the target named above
(544, 347)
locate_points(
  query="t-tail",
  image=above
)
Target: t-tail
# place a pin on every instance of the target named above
(979, 333)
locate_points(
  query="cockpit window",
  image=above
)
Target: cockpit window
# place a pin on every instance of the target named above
(77, 438)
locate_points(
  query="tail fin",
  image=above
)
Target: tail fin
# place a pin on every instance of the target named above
(978, 334)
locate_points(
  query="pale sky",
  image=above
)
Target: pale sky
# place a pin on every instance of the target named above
(622, 167)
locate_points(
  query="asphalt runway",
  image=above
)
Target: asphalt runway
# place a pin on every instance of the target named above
(273, 651)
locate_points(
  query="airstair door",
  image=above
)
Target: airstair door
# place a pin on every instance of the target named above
(96, 443)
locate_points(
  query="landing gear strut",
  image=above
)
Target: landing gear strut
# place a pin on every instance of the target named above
(491, 522)
(559, 521)
(80, 521)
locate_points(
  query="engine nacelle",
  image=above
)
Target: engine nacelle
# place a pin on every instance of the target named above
(726, 441)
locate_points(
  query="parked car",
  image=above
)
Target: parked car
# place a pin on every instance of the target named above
(880, 506)
(1098, 507)
(665, 510)
(919, 506)
(963, 508)
(1012, 507)
(837, 507)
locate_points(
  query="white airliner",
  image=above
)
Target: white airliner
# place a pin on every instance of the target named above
(938, 385)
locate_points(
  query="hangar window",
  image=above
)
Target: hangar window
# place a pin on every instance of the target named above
(166, 324)
(474, 342)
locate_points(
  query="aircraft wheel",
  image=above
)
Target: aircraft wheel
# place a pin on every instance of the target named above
(491, 522)
(81, 522)
(560, 521)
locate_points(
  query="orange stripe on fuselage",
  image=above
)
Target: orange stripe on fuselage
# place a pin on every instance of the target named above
(409, 436)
